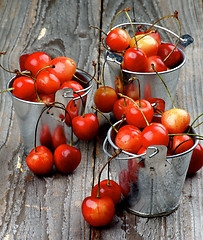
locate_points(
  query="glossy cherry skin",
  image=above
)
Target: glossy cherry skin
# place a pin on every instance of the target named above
(64, 68)
(41, 161)
(124, 182)
(98, 211)
(72, 110)
(128, 138)
(36, 61)
(23, 88)
(134, 115)
(85, 127)
(155, 35)
(47, 83)
(22, 59)
(159, 65)
(181, 143)
(75, 86)
(164, 50)
(154, 134)
(196, 162)
(119, 107)
(176, 120)
(118, 39)
(58, 136)
(67, 158)
(147, 43)
(135, 60)
(104, 99)
(109, 189)
(160, 104)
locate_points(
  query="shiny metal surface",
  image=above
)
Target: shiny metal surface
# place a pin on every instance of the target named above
(27, 114)
(158, 183)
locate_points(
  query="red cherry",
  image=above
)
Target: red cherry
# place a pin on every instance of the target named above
(128, 138)
(196, 162)
(58, 136)
(85, 127)
(45, 136)
(108, 189)
(159, 65)
(176, 120)
(104, 99)
(160, 104)
(64, 68)
(184, 146)
(74, 85)
(124, 182)
(36, 61)
(147, 43)
(23, 87)
(98, 211)
(118, 39)
(135, 60)
(154, 134)
(47, 83)
(164, 50)
(131, 90)
(73, 111)
(67, 158)
(134, 115)
(22, 60)
(119, 107)
(155, 35)
(41, 161)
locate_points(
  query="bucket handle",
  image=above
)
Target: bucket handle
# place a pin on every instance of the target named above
(130, 157)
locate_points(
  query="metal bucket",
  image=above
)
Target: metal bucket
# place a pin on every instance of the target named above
(150, 84)
(27, 114)
(151, 183)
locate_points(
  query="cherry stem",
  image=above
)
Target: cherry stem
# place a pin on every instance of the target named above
(164, 85)
(183, 143)
(115, 154)
(98, 29)
(103, 74)
(92, 77)
(106, 118)
(7, 90)
(175, 15)
(124, 10)
(189, 134)
(120, 94)
(38, 98)
(195, 121)
(48, 107)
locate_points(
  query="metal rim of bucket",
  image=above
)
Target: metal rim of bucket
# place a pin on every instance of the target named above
(162, 28)
(131, 155)
(87, 90)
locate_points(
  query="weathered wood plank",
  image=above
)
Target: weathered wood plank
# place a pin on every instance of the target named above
(49, 207)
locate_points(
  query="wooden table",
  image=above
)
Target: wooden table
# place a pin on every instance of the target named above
(33, 207)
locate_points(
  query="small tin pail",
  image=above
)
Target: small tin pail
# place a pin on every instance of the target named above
(150, 83)
(151, 183)
(50, 125)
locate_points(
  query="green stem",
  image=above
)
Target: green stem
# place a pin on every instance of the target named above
(106, 118)
(195, 121)
(115, 154)
(164, 85)
(124, 10)
(7, 90)
(98, 29)
(120, 94)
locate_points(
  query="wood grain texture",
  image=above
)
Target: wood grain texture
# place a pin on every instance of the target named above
(33, 207)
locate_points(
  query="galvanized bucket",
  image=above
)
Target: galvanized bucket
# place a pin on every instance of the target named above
(27, 114)
(151, 183)
(150, 84)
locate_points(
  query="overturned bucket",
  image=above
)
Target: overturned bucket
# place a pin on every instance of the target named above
(52, 129)
(150, 84)
(151, 183)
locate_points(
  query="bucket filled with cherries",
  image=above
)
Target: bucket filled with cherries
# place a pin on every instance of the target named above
(41, 82)
(153, 144)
